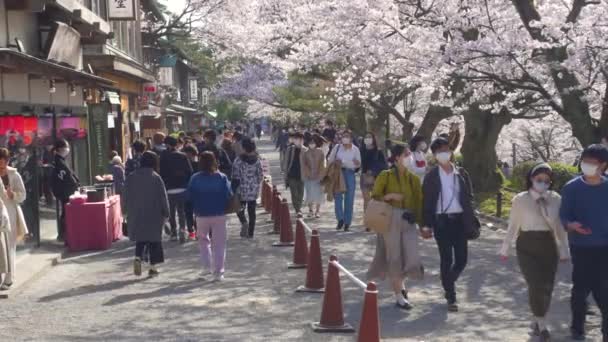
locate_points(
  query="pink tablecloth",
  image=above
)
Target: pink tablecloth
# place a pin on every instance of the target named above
(93, 226)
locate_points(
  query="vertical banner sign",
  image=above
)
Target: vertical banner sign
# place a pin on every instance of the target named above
(193, 89)
(121, 9)
(99, 140)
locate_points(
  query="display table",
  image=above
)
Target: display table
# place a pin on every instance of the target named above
(93, 226)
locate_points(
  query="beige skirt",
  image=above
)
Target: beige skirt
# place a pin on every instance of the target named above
(397, 252)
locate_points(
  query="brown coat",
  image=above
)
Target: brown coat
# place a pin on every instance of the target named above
(333, 181)
(312, 162)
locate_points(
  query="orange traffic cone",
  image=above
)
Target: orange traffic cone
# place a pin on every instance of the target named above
(286, 238)
(332, 316)
(369, 326)
(300, 249)
(314, 267)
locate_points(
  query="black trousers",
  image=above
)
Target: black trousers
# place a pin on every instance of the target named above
(189, 210)
(61, 225)
(176, 208)
(151, 251)
(251, 207)
(453, 251)
(589, 276)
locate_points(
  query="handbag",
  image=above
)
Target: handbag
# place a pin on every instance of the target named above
(234, 204)
(378, 216)
(473, 232)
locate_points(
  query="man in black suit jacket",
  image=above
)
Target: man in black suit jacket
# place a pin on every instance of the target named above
(448, 214)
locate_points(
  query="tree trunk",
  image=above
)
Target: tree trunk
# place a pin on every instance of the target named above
(434, 115)
(479, 148)
(576, 109)
(355, 118)
(407, 131)
(377, 125)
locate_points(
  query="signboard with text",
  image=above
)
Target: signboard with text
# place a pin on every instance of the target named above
(193, 84)
(98, 138)
(121, 10)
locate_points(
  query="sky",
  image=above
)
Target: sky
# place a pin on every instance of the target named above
(174, 5)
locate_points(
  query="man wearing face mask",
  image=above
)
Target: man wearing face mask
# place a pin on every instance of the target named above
(448, 215)
(293, 170)
(63, 182)
(583, 212)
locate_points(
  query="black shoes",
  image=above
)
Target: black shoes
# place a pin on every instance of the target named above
(404, 293)
(452, 306)
(152, 273)
(340, 225)
(346, 227)
(577, 335)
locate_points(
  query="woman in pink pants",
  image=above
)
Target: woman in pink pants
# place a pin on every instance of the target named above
(209, 192)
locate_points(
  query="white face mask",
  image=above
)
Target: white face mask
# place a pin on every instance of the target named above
(589, 170)
(298, 143)
(422, 147)
(443, 157)
(540, 187)
(312, 145)
(368, 142)
(406, 162)
(346, 141)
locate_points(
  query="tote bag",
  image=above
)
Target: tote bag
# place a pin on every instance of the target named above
(378, 216)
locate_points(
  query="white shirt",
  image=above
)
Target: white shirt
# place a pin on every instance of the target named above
(346, 156)
(527, 215)
(449, 198)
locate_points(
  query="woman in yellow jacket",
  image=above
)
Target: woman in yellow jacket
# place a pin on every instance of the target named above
(397, 254)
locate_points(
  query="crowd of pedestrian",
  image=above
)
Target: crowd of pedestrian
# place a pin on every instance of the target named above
(424, 201)
(184, 186)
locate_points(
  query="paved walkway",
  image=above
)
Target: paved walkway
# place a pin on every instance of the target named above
(95, 297)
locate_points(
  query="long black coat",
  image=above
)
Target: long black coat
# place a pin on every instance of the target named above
(147, 205)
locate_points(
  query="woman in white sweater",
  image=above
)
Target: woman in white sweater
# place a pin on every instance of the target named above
(541, 241)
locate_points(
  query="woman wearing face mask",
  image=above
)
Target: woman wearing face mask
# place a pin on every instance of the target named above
(372, 163)
(397, 255)
(313, 167)
(418, 163)
(64, 182)
(349, 156)
(541, 241)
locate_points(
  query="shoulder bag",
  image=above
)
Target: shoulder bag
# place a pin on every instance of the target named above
(378, 215)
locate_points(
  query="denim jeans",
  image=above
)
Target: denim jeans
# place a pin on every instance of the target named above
(344, 202)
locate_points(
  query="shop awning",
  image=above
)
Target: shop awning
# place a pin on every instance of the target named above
(21, 62)
(183, 109)
(120, 65)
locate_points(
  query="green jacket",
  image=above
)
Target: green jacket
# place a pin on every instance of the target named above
(408, 184)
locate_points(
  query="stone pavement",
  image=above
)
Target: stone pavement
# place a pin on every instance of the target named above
(95, 297)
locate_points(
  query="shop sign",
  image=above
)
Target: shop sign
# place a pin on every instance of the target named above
(99, 141)
(193, 83)
(165, 76)
(150, 87)
(121, 10)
